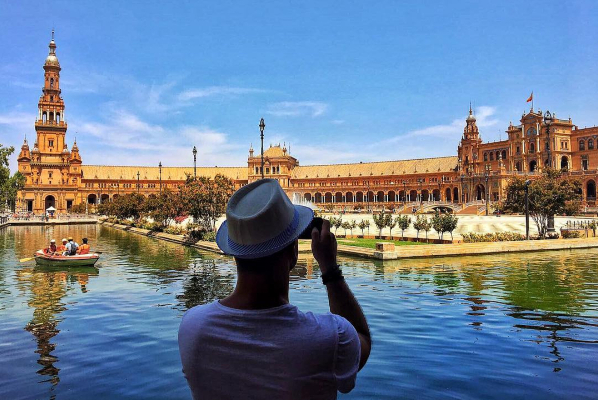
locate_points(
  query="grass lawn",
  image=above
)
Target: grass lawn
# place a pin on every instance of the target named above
(370, 243)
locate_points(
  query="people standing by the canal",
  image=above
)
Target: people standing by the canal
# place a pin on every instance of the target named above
(84, 248)
(52, 249)
(253, 344)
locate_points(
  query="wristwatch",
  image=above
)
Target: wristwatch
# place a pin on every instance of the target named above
(333, 275)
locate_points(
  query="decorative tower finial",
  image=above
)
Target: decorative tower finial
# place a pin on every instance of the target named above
(470, 109)
(52, 33)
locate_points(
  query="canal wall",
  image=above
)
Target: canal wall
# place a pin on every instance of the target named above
(402, 252)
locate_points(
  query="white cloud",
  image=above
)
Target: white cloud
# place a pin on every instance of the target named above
(337, 121)
(216, 91)
(297, 108)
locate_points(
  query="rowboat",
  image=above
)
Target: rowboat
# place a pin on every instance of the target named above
(77, 260)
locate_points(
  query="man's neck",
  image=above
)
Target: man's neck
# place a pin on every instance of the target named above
(259, 291)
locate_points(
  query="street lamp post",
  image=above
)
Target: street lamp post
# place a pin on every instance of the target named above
(462, 185)
(261, 126)
(420, 180)
(404, 199)
(487, 191)
(527, 183)
(138, 182)
(194, 151)
(368, 189)
(547, 121)
(159, 177)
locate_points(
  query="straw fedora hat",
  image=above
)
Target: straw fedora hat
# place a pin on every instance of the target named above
(260, 221)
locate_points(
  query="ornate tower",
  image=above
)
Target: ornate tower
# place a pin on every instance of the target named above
(52, 172)
(50, 125)
(468, 150)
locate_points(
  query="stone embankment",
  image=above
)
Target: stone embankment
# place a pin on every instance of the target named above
(423, 251)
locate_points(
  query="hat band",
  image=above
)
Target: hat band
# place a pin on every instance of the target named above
(278, 240)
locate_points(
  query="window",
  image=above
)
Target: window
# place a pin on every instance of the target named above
(50, 175)
(518, 149)
(504, 154)
(484, 156)
(531, 148)
(584, 163)
(51, 143)
(591, 144)
(267, 171)
(492, 156)
(581, 145)
(51, 82)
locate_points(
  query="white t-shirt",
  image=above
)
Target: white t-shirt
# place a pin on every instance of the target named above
(275, 353)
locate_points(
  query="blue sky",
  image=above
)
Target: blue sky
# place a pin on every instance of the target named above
(144, 81)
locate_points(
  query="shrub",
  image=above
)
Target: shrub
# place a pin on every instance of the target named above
(209, 236)
(492, 237)
(570, 234)
(174, 230)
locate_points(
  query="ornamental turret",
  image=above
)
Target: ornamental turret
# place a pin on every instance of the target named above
(75, 157)
(25, 154)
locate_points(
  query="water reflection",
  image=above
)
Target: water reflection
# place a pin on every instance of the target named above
(45, 288)
(452, 318)
(205, 284)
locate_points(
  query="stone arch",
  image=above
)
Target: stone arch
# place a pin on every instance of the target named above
(370, 197)
(480, 192)
(448, 194)
(49, 201)
(564, 162)
(504, 154)
(318, 197)
(518, 166)
(380, 196)
(412, 196)
(436, 195)
(104, 198)
(339, 197)
(92, 199)
(391, 196)
(307, 197)
(424, 195)
(590, 190)
(349, 197)
(360, 197)
(115, 196)
(328, 197)
(532, 166)
(456, 195)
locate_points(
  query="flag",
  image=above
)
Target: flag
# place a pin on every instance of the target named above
(530, 98)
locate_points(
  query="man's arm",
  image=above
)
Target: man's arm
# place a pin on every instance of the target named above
(341, 300)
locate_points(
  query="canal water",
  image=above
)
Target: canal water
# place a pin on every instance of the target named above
(496, 327)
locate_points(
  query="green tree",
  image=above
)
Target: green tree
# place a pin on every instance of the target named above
(345, 226)
(10, 189)
(427, 227)
(437, 223)
(419, 223)
(380, 221)
(403, 222)
(551, 194)
(362, 225)
(205, 199)
(353, 226)
(449, 224)
(390, 222)
(9, 185)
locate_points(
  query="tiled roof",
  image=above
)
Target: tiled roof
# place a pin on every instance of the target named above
(168, 173)
(401, 167)
(274, 151)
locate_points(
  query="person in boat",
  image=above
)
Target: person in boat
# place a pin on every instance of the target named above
(52, 249)
(62, 248)
(84, 248)
(71, 248)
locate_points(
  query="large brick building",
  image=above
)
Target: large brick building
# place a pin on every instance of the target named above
(55, 175)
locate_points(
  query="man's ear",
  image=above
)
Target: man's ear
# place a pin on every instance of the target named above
(294, 255)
